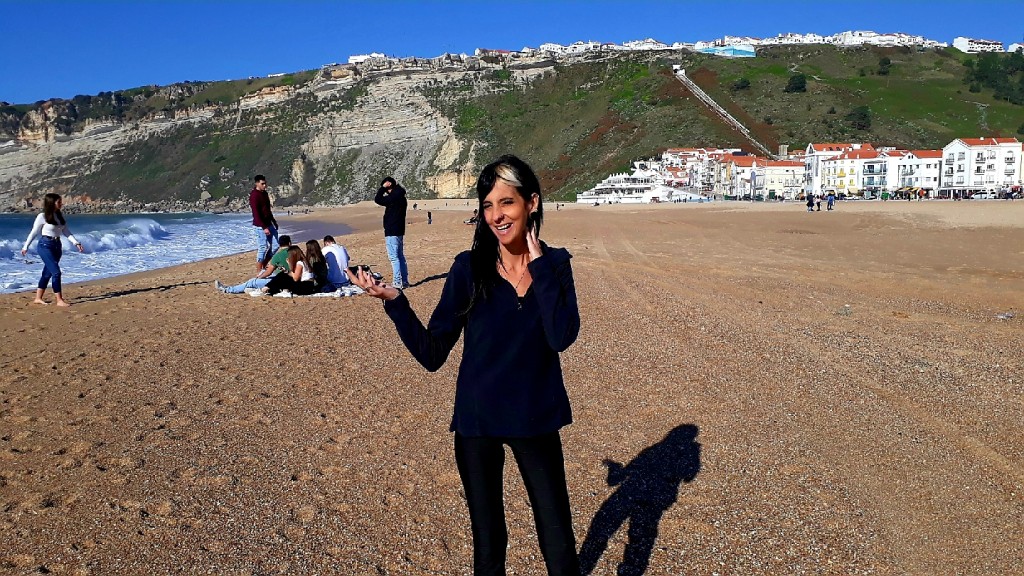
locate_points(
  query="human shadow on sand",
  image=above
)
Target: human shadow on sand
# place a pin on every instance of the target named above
(648, 486)
(429, 279)
(120, 293)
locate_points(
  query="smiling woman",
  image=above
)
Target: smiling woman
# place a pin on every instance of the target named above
(515, 299)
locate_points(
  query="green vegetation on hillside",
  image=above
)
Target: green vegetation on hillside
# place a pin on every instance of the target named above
(582, 121)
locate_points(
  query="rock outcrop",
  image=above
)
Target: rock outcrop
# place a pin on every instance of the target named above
(340, 134)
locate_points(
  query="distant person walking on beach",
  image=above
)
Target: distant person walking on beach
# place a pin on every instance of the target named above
(264, 221)
(810, 202)
(430, 217)
(831, 200)
(514, 298)
(392, 197)
(49, 227)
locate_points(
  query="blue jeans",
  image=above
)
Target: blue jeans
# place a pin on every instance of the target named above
(396, 253)
(50, 251)
(252, 284)
(266, 246)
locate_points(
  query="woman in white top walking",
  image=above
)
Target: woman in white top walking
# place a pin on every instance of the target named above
(49, 226)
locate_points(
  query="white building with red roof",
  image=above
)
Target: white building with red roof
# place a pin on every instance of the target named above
(920, 169)
(777, 179)
(973, 165)
(848, 173)
(694, 166)
(816, 153)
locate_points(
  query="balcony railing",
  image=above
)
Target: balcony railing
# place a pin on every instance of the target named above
(1009, 171)
(948, 172)
(949, 160)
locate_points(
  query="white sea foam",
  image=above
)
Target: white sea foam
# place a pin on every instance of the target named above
(117, 245)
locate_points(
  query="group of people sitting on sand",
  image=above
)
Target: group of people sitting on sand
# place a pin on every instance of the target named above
(296, 272)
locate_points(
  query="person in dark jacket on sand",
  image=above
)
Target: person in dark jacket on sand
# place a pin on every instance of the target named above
(392, 197)
(514, 298)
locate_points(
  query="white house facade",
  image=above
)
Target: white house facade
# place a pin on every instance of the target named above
(973, 45)
(845, 173)
(919, 169)
(780, 179)
(980, 164)
(817, 152)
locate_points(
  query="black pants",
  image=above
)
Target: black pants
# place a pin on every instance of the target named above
(481, 462)
(284, 281)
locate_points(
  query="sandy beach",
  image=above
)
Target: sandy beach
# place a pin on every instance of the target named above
(790, 393)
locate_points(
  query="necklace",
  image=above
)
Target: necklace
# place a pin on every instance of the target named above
(519, 303)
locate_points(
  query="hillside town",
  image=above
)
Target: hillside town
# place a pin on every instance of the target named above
(727, 46)
(966, 168)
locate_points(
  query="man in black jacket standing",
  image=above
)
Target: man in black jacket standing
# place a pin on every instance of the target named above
(391, 196)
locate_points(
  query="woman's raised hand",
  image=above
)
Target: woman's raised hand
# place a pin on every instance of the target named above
(372, 286)
(533, 243)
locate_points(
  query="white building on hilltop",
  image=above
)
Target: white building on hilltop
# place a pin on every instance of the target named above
(971, 45)
(360, 58)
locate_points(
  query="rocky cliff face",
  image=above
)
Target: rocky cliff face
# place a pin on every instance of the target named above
(330, 140)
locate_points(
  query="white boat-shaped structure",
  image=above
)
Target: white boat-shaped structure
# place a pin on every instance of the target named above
(640, 187)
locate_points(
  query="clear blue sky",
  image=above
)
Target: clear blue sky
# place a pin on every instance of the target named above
(60, 48)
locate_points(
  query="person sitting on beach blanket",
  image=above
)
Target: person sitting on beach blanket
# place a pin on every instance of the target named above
(317, 264)
(278, 263)
(472, 219)
(300, 281)
(337, 261)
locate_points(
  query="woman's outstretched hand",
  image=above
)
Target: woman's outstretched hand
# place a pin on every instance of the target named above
(372, 286)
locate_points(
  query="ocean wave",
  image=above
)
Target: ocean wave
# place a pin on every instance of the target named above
(129, 233)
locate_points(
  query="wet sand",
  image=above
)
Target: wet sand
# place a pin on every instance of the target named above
(790, 393)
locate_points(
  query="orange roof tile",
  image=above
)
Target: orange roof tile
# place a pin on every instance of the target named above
(746, 161)
(987, 141)
(927, 153)
(856, 155)
(838, 147)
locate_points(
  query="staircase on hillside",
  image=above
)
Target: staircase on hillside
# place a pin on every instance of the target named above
(710, 103)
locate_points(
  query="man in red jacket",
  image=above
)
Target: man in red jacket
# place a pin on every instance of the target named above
(264, 223)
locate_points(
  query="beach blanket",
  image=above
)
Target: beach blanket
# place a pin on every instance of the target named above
(349, 290)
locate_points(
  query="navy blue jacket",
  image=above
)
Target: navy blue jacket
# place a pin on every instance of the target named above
(394, 204)
(510, 379)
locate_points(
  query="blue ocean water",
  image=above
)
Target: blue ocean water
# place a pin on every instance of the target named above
(121, 244)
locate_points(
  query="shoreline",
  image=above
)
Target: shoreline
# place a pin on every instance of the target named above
(365, 217)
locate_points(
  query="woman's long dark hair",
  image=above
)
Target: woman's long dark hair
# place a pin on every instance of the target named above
(50, 212)
(316, 261)
(484, 254)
